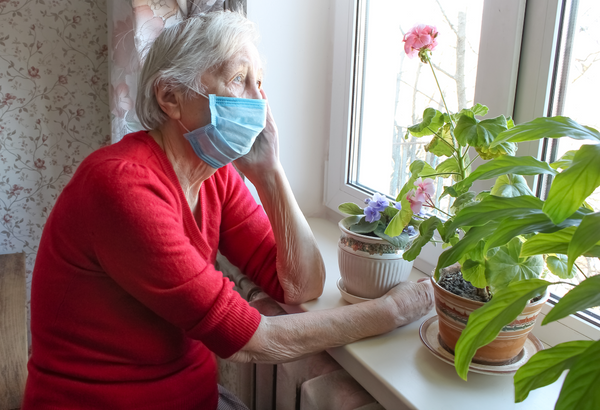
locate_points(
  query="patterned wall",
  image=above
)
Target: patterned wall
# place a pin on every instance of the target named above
(53, 108)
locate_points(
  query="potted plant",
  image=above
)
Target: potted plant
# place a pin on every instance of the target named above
(505, 238)
(558, 230)
(370, 261)
(488, 261)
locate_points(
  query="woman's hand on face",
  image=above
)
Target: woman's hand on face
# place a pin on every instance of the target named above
(264, 155)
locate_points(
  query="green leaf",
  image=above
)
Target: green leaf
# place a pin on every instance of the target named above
(426, 231)
(432, 121)
(494, 208)
(548, 127)
(565, 161)
(475, 133)
(441, 144)
(465, 245)
(350, 208)
(473, 266)
(486, 322)
(399, 241)
(462, 201)
(505, 266)
(474, 272)
(363, 226)
(585, 237)
(447, 166)
(546, 366)
(558, 265)
(506, 164)
(557, 242)
(572, 186)
(584, 296)
(510, 185)
(580, 390)
(532, 221)
(400, 220)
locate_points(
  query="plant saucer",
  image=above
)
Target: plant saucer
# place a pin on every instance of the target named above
(429, 331)
(348, 297)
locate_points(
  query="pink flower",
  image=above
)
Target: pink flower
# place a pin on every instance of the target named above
(420, 39)
(62, 79)
(415, 203)
(76, 19)
(425, 189)
(39, 44)
(44, 138)
(34, 72)
(80, 112)
(7, 218)
(94, 79)
(32, 27)
(103, 52)
(67, 169)
(39, 163)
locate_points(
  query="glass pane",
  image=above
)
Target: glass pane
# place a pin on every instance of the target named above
(394, 89)
(576, 85)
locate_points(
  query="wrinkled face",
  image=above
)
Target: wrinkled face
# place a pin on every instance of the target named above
(240, 77)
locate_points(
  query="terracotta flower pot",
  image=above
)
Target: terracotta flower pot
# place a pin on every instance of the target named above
(369, 266)
(453, 312)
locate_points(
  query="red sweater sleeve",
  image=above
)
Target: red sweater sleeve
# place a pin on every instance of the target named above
(144, 239)
(246, 237)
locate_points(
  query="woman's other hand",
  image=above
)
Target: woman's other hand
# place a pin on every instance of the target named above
(413, 300)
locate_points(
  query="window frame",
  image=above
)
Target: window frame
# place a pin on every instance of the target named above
(499, 16)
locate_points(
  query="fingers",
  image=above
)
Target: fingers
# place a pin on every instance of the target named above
(414, 300)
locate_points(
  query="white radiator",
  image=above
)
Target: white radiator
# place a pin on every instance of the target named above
(314, 383)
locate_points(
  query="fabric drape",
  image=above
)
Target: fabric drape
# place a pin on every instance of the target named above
(132, 27)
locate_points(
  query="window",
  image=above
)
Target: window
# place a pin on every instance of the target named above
(376, 92)
(546, 62)
(575, 71)
(393, 90)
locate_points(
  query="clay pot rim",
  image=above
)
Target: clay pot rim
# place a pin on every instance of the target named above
(436, 286)
(368, 239)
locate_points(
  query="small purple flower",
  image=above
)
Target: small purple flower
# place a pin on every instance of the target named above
(379, 202)
(367, 200)
(371, 214)
(410, 230)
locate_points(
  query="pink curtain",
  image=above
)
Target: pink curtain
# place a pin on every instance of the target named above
(132, 26)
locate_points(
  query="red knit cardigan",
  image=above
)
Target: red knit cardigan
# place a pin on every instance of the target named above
(126, 305)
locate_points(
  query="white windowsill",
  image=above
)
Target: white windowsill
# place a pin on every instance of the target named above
(400, 372)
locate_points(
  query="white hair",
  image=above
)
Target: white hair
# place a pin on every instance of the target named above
(183, 52)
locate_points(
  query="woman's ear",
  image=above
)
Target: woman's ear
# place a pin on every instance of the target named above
(169, 100)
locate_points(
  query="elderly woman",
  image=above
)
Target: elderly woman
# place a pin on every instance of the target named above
(127, 306)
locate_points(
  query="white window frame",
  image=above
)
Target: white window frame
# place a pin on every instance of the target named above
(498, 64)
(525, 50)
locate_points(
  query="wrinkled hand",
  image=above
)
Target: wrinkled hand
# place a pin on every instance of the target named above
(264, 155)
(413, 300)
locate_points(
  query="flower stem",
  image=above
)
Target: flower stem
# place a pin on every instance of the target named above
(441, 93)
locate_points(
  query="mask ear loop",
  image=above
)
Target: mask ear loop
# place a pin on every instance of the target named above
(197, 92)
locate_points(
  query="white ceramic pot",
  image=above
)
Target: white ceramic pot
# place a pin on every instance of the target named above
(369, 266)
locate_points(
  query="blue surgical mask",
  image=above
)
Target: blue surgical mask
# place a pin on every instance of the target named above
(234, 125)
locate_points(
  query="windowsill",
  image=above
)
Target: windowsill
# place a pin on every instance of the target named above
(400, 372)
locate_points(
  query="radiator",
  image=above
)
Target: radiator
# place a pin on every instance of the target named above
(313, 383)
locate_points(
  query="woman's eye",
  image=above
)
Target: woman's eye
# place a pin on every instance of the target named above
(239, 78)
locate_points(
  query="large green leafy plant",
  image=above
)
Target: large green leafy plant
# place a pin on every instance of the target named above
(509, 231)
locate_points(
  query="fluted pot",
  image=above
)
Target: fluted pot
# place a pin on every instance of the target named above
(369, 266)
(453, 312)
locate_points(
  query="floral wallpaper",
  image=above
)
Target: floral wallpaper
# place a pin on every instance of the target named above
(53, 108)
